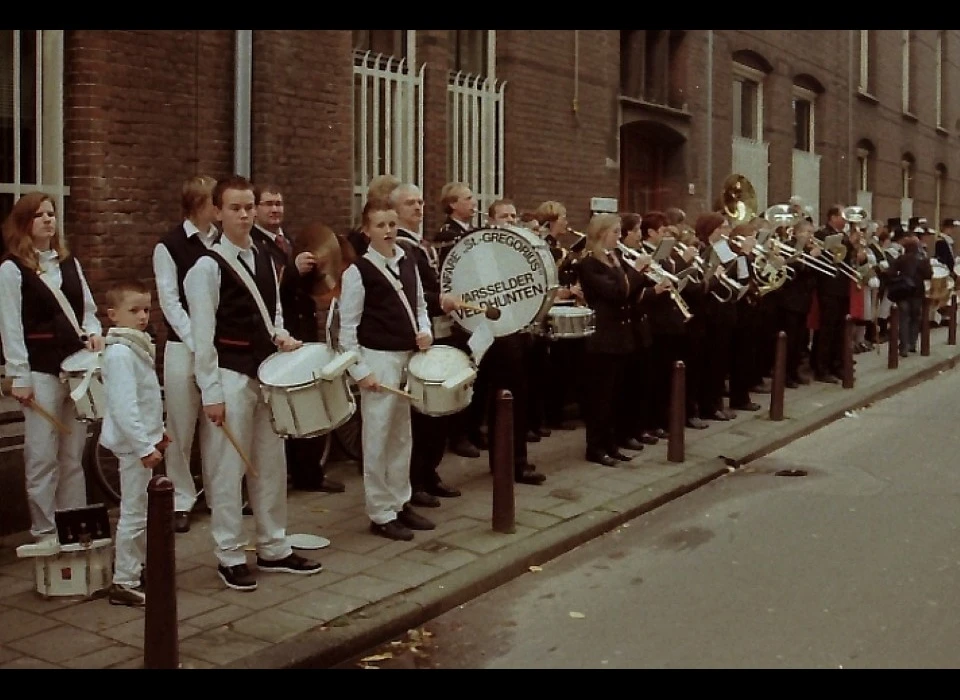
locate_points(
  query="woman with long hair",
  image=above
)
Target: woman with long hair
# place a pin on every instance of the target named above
(38, 274)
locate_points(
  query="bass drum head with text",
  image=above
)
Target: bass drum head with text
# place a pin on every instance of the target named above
(507, 267)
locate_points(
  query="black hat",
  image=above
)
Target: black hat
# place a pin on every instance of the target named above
(949, 223)
(894, 223)
(917, 224)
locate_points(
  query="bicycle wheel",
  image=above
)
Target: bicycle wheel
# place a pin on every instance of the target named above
(102, 464)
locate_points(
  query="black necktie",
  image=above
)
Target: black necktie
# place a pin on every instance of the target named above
(284, 244)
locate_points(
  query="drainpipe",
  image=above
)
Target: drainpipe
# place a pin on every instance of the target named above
(709, 115)
(850, 35)
(241, 107)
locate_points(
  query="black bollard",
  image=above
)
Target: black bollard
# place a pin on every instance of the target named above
(848, 352)
(893, 337)
(502, 464)
(160, 641)
(925, 328)
(952, 328)
(678, 413)
(779, 377)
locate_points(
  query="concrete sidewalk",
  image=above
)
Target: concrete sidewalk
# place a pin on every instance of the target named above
(372, 589)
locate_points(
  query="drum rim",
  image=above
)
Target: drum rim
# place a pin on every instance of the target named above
(419, 359)
(281, 353)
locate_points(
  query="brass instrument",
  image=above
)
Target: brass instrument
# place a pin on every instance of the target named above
(571, 244)
(788, 216)
(738, 199)
(657, 274)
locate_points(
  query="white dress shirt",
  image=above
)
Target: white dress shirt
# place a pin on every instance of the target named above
(168, 291)
(352, 296)
(11, 324)
(202, 287)
(133, 423)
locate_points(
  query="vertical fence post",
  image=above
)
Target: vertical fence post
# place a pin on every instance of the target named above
(893, 337)
(848, 352)
(160, 640)
(502, 463)
(779, 377)
(678, 413)
(925, 328)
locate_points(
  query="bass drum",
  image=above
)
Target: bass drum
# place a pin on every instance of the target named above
(507, 267)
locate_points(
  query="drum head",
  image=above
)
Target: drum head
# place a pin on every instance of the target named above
(305, 541)
(81, 361)
(570, 311)
(295, 368)
(509, 268)
(438, 363)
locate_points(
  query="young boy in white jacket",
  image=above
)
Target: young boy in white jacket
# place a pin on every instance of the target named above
(132, 429)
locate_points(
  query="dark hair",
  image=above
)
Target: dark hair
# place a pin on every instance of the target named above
(119, 289)
(628, 222)
(234, 182)
(707, 224)
(258, 191)
(652, 220)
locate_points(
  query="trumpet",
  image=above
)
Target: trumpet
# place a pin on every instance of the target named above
(658, 275)
(807, 259)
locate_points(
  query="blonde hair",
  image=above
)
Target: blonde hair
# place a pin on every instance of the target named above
(598, 226)
(382, 186)
(194, 194)
(451, 193)
(549, 211)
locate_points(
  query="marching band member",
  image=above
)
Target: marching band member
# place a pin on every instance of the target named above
(226, 289)
(833, 304)
(173, 257)
(39, 274)
(383, 318)
(746, 330)
(379, 188)
(906, 289)
(694, 295)
(429, 433)
(794, 304)
(607, 285)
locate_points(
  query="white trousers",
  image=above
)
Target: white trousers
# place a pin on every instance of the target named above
(181, 399)
(387, 439)
(130, 542)
(248, 418)
(53, 463)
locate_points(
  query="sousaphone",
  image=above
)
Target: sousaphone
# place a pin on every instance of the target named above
(738, 200)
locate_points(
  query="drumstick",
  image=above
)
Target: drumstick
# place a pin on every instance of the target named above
(64, 430)
(398, 392)
(236, 446)
(491, 312)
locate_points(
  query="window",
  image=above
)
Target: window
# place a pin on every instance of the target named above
(389, 42)
(653, 67)
(866, 67)
(864, 154)
(907, 70)
(803, 101)
(470, 51)
(939, 177)
(906, 177)
(747, 102)
(31, 116)
(940, 77)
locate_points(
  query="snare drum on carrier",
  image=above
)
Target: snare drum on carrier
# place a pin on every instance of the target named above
(440, 379)
(565, 322)
(81, 372)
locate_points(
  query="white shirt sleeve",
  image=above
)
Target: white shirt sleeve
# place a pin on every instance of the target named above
(278, 329)
(120, 374)
(91, 323)
(423, 319)
(352, 296)
(202, 287)
(168, 294)
(11, 326)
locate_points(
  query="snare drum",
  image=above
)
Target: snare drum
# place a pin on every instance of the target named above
(507, 267)
(440, 380)
(307, 390)
(570, 322)
(81, 372)
(938, 288)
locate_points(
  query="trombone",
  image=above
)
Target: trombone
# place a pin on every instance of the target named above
(788, 216)
(658, 275)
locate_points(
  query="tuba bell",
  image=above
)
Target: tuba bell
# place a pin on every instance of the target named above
(738, 200)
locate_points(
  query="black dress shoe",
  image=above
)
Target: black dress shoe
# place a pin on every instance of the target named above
(326, 485)
(532, 436)
(632, 444)
(661, 433)
(424, 500)
(697, 424)
(827, 379)
(545, 432)
(393, 530)
(413, 520)
(442, 490)
(601, 458)
(617, 454)
(181, 521)
(719, 415)
(464, 448)
(529, 476)
(648, 438)
(749, 406)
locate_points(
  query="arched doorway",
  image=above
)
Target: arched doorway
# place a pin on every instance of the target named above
(652, 171)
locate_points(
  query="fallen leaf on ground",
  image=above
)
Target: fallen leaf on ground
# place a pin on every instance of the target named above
(577, 615)
(378, 657)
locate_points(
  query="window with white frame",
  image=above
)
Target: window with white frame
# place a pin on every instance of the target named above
(907, 88)
(747, 102)
(865, 54)
(863, 168)
(803, 118)
(470, 51)
(939, 177)
(906, 177)
(939, 78)
(31, 116)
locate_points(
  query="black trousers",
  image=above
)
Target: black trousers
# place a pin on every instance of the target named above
(794, 324)
(604, 378)
(565, 384)
(429, 444)
(716, 364)
(537, 360)
(828, 357)
(634, 396)
(666, 350)
(505, 365)
(743, 352)
(303, 460)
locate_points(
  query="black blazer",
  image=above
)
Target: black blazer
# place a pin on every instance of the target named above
(607, 290)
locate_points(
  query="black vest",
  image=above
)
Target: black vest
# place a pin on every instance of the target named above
(185, 251)
(428, 276)
(47, 332)
(385, 324)
(240, 337)
(264, 241)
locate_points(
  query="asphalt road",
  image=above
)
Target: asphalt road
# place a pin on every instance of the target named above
(853, 565)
